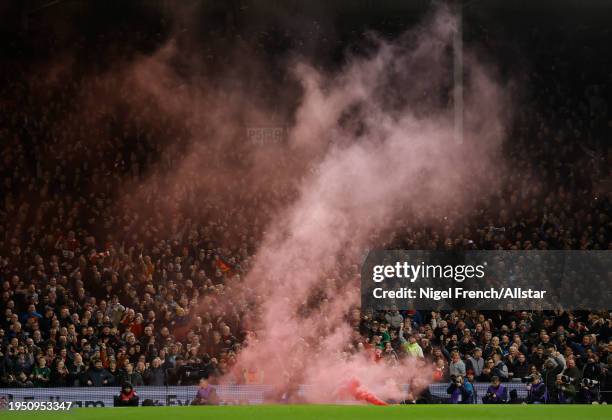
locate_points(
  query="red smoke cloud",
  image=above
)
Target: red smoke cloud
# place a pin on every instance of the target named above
(370, 151)
(395, 160)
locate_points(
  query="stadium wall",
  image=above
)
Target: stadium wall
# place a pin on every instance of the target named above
(183, 395)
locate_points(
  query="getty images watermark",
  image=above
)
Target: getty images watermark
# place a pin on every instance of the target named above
(512, 280)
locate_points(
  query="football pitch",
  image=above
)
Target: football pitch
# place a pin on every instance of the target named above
(329, 412)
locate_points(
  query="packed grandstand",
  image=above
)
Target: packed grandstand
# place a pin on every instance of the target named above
(98, 289)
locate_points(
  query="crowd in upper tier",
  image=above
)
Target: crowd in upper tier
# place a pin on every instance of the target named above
(93, 294)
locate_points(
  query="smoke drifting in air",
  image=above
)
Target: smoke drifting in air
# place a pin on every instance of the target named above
(370, 152)
(393, 161)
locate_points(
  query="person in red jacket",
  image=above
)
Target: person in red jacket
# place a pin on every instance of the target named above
(127, 397)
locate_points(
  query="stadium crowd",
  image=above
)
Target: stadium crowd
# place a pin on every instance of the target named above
(92, 294)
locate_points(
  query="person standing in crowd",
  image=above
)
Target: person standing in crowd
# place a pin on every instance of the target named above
(456, 366)
(155, 375)
(411, 346)
(475, 362)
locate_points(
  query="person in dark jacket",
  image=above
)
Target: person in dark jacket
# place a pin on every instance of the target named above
(552, 367)
(566, 390)
(155, 375)
(520, 367)
(127, 397)
(98, 376)
(592, 374)
(606, 394)
(131, 376)
(78, 372)
(60, 376)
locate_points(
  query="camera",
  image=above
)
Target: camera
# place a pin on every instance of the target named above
(566, 380)
(528, 379)
(457, 380)
(589, 383)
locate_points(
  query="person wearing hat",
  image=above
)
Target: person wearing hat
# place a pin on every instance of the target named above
(127, 397)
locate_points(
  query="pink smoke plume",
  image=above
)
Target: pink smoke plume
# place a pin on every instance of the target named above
(393, 162)
(372, 154)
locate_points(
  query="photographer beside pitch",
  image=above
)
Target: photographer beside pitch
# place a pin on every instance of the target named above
(536, 390)
(567, 383)
(592, 375)
(461, 391)
(566, 390)
(206, 395)
(542, 388)
(496, 393)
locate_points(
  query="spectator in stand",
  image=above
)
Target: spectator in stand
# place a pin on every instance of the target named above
(97, 375)
(440, 373)
(581, 349)
(487, 371)
(41, 374)
(155, 375)
(475, 362)
(394, 318)
(500, 370)
(60, 376)
(520, 367)
(131, 376)
(456, 366)
(410, 346)
(538, 358)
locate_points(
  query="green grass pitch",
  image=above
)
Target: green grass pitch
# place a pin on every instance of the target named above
(331, 412)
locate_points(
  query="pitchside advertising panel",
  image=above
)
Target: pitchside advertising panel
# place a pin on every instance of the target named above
(183, 395)
(103, 396)
(487, 280)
